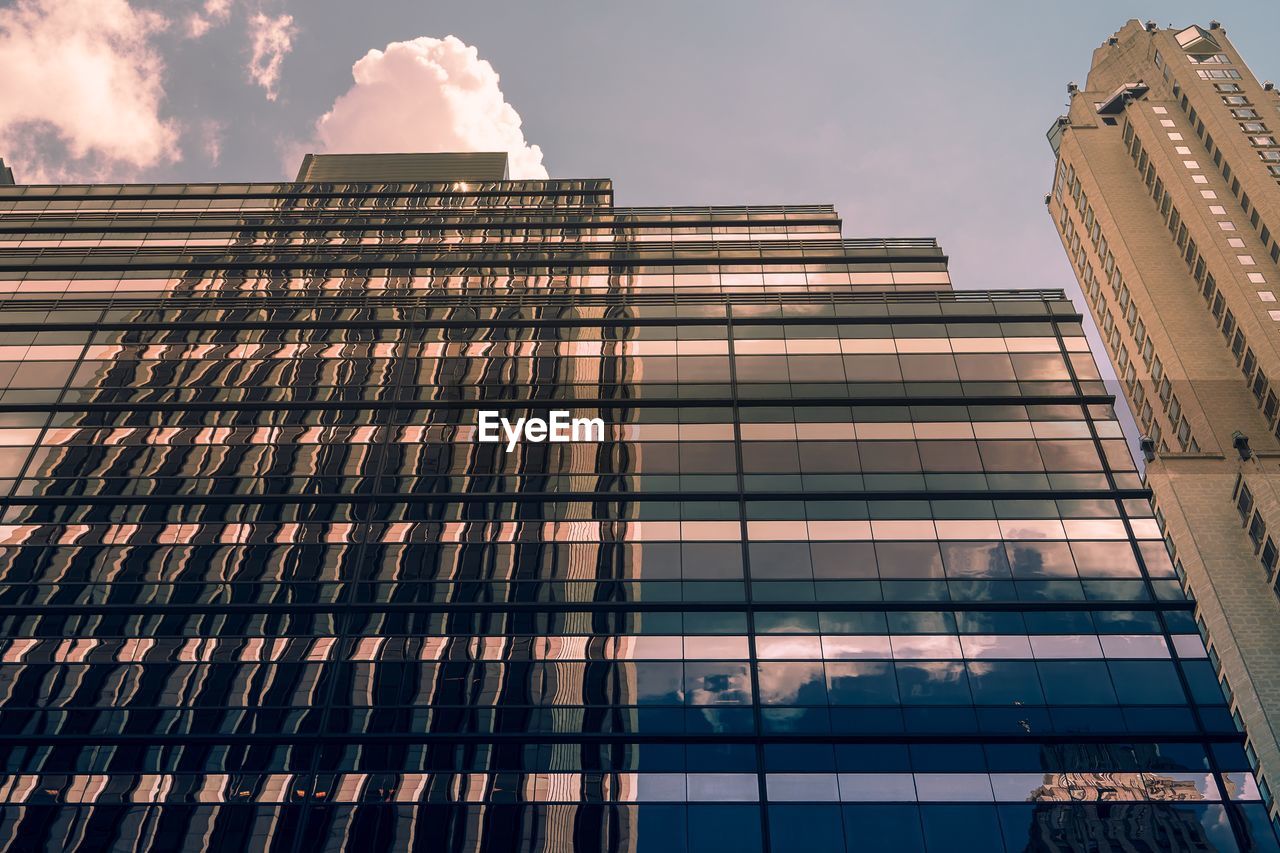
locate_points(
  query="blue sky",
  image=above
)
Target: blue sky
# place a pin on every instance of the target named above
(915, 119)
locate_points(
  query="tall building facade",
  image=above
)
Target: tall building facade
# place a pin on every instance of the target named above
(1167, 201)
(852, 561)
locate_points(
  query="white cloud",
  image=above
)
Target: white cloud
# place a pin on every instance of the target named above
(80, 90)
(270, 40)
(211, 133)
(214, 13)
(428, 94)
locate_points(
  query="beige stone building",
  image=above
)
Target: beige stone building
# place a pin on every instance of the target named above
(1167, 198)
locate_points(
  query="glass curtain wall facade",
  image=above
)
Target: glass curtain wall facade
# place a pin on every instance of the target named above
(858, 563)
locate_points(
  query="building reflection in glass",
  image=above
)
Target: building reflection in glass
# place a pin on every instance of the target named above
(862, 563)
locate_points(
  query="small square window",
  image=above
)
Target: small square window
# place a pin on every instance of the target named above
(1266, 296)
(1199, 179)
(1176, 137)
(1275, 315)
(1160, 111)
(1257, 530)
(1227, 226)
(1191, 164)
(1269, 555)
(1217, 210)
(1246, 260)
(1257, 278)
(1208, 194)
(1235, 243)
(1244, 503)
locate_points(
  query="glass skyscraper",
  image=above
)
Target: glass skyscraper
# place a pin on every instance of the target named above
(854, 562)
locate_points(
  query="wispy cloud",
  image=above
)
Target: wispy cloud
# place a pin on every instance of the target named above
(81, 87)
(212, 14)
(211, 133)
(427, 94)
(271, 39)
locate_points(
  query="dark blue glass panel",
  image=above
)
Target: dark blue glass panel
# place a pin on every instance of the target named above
(1257, 826)
(1203, 682)
(724, 829)
(933, 683)
(947, 758)
(806, 829)
(661, 829)
(721, 758)
(961, 829)
(872, 758)
(883, 829)
(1005, 683)
(799, 758)
(861, 683)
(1146, 682)
(929, 719)
(795, 720)
(1076, 683)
